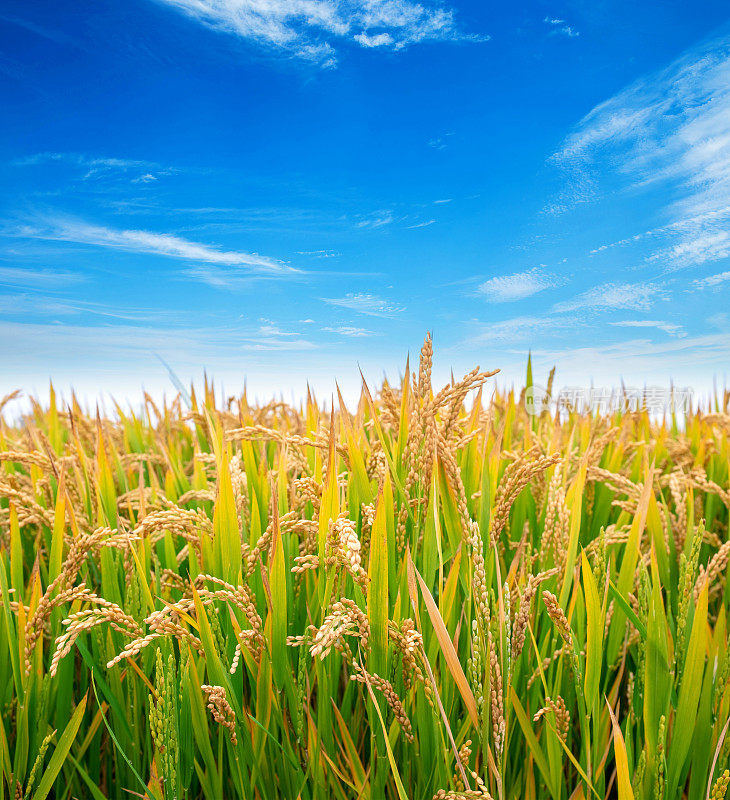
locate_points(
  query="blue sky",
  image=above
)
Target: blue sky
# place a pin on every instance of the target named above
(283, 190)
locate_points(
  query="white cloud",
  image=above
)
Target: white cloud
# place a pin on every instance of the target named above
(34, 278)
(270, 328)
(271, 337)
(695, 249)
(504, 288)
(319, 253)
(422, 224)
(630, 296)
(378, 40)
(272, 343)
(98, 166)
(309, 29)
(365, 303)
(669, 131)
(638, 361)
(520, 329)
(440, 142)
(40, 305)
(79, 159)
(349, 330)
(712, 280)
(222, 277)
(103, 356)
(377, 220)
(667, 327)
(23, 305)
(559, 26)
(159, 244)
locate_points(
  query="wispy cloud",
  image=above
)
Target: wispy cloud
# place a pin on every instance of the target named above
(36, 278)
(558, 26)
(504, 288)
(79, 159)
(24, 305)
(642, 360)
(379, 219)
(520, 329)
(319, 253)
(440, 142)
(271, 337)
(629, 296)
(65, 229)
(666, 327)
(365, 303)
(310, 29)
(712, 281)
(116, 351)
(27, 304)
(349, 330)
(46, 33)
(422, 224)
(98, 166)
(222, 277)
(669, 131)
(695, 249)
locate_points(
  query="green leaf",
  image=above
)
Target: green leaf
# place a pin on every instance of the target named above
(226, 536)
(279, 650)
(60, 752)
(689, 696)
(657, 679)
(378, 593)
(594, 635)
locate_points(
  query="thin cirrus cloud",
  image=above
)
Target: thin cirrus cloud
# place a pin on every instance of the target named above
(365, 303)
(311, 29)
(505, 288)
(712, 281)
(98, 166)
(377, 220)
(271, 337)
(27, 304)
(33, 278)
(660, 325)
(639, 359)
(608, 296)
(349, 330)
(147, 242)
(79, 159)
(23, 305)
(520, 329)
(104, 347)
(558, 26)
(696, 248)
(670, 132)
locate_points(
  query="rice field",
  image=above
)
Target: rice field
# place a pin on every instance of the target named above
(431, 595)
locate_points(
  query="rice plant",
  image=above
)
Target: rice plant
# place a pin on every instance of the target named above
(432, 595)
